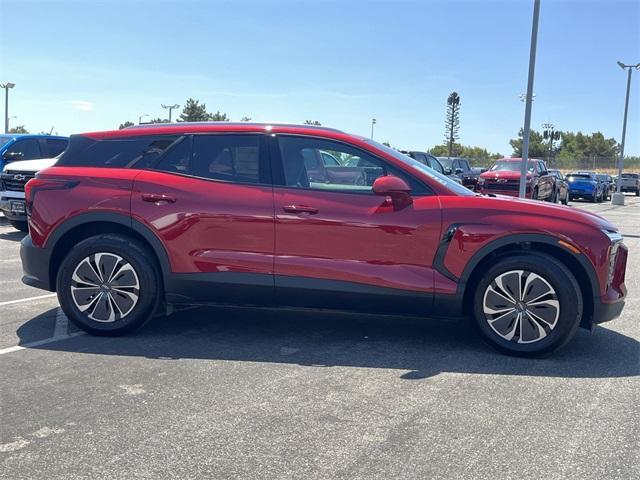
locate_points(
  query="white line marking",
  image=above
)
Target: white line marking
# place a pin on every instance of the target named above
(39, 297)
(39, 343)
(62, 325)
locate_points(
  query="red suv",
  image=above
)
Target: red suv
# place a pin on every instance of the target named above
(504, 178)
(131, 222)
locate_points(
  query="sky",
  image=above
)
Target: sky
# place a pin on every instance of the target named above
(87, 65)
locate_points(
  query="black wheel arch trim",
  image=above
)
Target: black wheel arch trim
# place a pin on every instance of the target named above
(492, 246)
(117, 218)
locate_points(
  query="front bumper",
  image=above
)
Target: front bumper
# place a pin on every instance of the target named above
(5, 206)
(35, 265)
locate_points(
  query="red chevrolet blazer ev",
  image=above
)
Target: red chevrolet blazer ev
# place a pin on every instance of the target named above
(129, 222)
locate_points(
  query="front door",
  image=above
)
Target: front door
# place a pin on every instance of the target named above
(338, 244)
(210, 200)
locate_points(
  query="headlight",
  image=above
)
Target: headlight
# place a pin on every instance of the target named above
(616, 239)
(481, 181)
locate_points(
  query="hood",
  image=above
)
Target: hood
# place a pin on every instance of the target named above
(544, 209)
(507, 175)
(30, 165)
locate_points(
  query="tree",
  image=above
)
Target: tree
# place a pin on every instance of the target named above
(312, 122)
(538, 148)
(452, 121)
(158, 120)
(193, 111)
(18, 129)
(218, 117)
(386, 144)
(126, 124)
(245, 119)
(477, 156)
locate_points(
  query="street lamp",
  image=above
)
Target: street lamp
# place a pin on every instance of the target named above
(529, 99)
(373, 122)
(618, 197)
(6, 87)
(140, 117)
(170, 108)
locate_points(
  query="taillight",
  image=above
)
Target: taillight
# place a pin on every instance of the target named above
(36, 185)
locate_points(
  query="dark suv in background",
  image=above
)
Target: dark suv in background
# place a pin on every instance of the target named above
(135, 221)
(461, 168)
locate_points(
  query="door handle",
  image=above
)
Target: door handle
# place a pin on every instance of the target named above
(300, 209)
(158, 198)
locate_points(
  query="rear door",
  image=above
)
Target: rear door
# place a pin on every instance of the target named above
(338, 244)
(209, 199)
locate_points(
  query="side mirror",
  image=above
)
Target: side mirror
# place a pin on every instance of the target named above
(12, 156)
(395, 189)
(447, 171)
(458, 171)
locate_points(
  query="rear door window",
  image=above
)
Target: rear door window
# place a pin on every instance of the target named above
(230, 158)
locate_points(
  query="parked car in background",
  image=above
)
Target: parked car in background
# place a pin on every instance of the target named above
(561, 187)
(432, 162)
(461, 168)
(504, 178)
(12, 181)
(470, 180)
(630, 182)
(133, 220)
(608, 185)
(15, 147)
(585, 185)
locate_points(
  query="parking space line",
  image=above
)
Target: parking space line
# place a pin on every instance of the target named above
(60, 332)
(39, 297)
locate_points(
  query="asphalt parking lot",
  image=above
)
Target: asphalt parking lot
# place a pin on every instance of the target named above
(230, 393)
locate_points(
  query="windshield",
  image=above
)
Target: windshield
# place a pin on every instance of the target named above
(416, 165)
(579, 176)
(629, 175)
(446, 162)
(509, 166)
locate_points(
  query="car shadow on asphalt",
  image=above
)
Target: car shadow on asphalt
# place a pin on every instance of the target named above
(417, 349)
(15, 235)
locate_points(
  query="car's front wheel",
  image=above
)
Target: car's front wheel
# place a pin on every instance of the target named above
(528, 304)
(107, 285)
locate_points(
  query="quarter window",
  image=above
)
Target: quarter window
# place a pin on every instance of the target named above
(56, 146)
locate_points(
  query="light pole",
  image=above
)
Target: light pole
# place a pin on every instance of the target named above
(373, 122)
(9, 119)
(143, 115)
(170, 108)
(6, 87)
(618, 197)
(529, 99)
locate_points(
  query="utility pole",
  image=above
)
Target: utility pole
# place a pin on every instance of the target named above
(618, 197)
(144, 115)
(6, 87)
(373, 122)
(529, 99)
(170, 108)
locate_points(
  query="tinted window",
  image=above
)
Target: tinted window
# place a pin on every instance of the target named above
(138, 152)
(355, 172)
(29, 148)
(435, 164)
(464, 164)
(177, 158)
(56, 146)
(233, 158)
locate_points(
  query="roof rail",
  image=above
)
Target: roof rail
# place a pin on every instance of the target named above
(256, 124)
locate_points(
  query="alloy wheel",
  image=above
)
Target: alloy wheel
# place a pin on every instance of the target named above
(521, 306)
(105, 287)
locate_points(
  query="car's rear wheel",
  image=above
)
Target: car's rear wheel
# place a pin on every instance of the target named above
(528, 305)
(21, 225)
(107, 285)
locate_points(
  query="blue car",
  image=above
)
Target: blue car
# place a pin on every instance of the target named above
(15, 147)
(585, 185)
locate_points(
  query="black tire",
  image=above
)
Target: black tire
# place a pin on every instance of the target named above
(566, 292)
(534, 195)
(638, 192)
(566, 200)
(594, 198)
(21, 225)
(82, 260)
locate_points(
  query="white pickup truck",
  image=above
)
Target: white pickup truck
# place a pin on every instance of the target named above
(12, 181)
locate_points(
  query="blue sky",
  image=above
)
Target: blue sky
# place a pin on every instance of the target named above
(83, 66)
